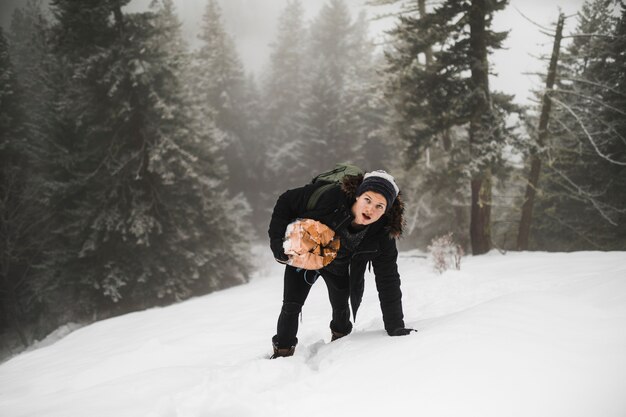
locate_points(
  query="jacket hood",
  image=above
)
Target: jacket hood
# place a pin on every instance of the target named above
(395, 215)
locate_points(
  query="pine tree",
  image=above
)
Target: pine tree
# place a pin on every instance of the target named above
(219, 83)
(14, 198)
(283, 93)
(365, 101)
(37, 70)
(337, 104)
(325, 113)
(430, 101)
(29, 201)
(583, 195)
(254, 154)
(147, 212)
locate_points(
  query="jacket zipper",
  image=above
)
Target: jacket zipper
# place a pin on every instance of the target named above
(358, 253)
(342, 222)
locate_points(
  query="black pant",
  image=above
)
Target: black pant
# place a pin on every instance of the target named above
(297, 284)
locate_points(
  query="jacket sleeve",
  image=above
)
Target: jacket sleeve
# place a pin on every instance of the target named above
(289, 206)
(388, 284)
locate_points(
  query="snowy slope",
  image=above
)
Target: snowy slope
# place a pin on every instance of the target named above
(521, 334)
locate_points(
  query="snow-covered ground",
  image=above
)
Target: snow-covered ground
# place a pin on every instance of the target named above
(521, 334)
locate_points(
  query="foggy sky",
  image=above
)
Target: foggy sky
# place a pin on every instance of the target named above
(252, 24)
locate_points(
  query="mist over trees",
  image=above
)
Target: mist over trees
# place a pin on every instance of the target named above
(128, 194)
(135, 171)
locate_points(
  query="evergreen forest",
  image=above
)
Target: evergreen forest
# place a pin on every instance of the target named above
(137, 171)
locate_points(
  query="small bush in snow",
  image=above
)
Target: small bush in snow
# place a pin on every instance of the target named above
(445, 253)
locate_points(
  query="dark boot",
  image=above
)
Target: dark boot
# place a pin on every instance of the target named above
(336, 335)
(282, 352)
(340, 326)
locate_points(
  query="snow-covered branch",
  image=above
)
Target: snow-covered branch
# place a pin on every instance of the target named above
(595, 100)
(589, 137)
(595, 84)
(580, 194)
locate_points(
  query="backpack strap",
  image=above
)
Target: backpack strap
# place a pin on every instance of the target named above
(315, 197)
(324, 176)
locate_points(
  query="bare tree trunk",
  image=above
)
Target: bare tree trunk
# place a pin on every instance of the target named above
(421, 5)
(446, 140)
(535, 164)
(119, 16)
(480, 220)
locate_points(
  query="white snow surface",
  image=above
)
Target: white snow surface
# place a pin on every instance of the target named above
(520, 334)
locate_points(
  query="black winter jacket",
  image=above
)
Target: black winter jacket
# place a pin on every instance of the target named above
(378, 246)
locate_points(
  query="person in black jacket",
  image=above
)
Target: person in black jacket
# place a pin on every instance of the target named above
(366, 213)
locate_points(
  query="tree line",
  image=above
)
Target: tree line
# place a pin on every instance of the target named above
(136, 170)
(474, 156)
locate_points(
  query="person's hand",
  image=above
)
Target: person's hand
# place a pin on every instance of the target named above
(277, 249)
(401, 331)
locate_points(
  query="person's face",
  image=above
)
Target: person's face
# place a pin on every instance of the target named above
(368, 208)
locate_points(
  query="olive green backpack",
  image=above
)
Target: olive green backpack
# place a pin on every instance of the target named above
(332, 178)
